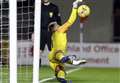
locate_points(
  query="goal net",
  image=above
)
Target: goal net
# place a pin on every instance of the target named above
(25, 26)
(4, 42)
(20, 64)
(28, 19)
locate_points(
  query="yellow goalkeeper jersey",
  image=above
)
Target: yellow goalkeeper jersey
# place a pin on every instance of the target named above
(59, 37)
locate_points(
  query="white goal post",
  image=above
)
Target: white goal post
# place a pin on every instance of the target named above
(13, 40)
(36, 41)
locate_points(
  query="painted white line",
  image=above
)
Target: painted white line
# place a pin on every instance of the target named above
(47, 79)
(53, 77)
(73, 70)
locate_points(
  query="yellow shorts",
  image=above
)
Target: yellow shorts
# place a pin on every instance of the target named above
(52, 59)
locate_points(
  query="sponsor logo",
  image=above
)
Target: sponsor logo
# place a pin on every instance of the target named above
(51, 14)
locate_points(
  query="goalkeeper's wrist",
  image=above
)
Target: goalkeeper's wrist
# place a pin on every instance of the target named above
(75, 5)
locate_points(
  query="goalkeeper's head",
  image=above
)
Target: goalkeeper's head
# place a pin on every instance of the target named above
(53, 26)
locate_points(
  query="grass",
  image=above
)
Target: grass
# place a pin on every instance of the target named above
(84, 75)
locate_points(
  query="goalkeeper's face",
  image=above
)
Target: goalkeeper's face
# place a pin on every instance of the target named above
(53, 26)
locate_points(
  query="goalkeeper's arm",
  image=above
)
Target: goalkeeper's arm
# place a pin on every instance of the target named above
(72, 17)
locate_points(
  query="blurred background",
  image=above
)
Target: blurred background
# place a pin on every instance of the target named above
(102, 25)
(100, 45)
(99, 27)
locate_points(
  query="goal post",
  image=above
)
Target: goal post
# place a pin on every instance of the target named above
(13, 40)
(18, 19)
(37, 30)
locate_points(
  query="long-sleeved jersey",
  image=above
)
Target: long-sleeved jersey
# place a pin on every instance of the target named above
(59, 37)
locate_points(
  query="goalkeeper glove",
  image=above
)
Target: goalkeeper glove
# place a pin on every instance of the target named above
(75, 3)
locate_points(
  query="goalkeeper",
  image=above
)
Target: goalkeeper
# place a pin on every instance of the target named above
(59, 43)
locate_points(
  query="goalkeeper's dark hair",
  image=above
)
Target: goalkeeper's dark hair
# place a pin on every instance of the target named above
(51, 26)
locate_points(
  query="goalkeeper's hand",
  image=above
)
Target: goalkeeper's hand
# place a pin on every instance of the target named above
(76, 2)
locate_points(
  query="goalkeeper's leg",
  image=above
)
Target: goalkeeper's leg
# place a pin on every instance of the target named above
(59, 71)
(59, 55)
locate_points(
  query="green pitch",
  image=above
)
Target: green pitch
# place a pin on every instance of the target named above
(88, 75)
(82, 75)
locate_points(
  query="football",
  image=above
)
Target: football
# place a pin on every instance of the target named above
(83, 11)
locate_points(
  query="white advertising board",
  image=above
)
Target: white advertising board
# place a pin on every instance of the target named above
(96, 54)
(25, 53)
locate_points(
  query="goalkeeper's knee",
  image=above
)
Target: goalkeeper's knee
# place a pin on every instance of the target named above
(60, 74)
